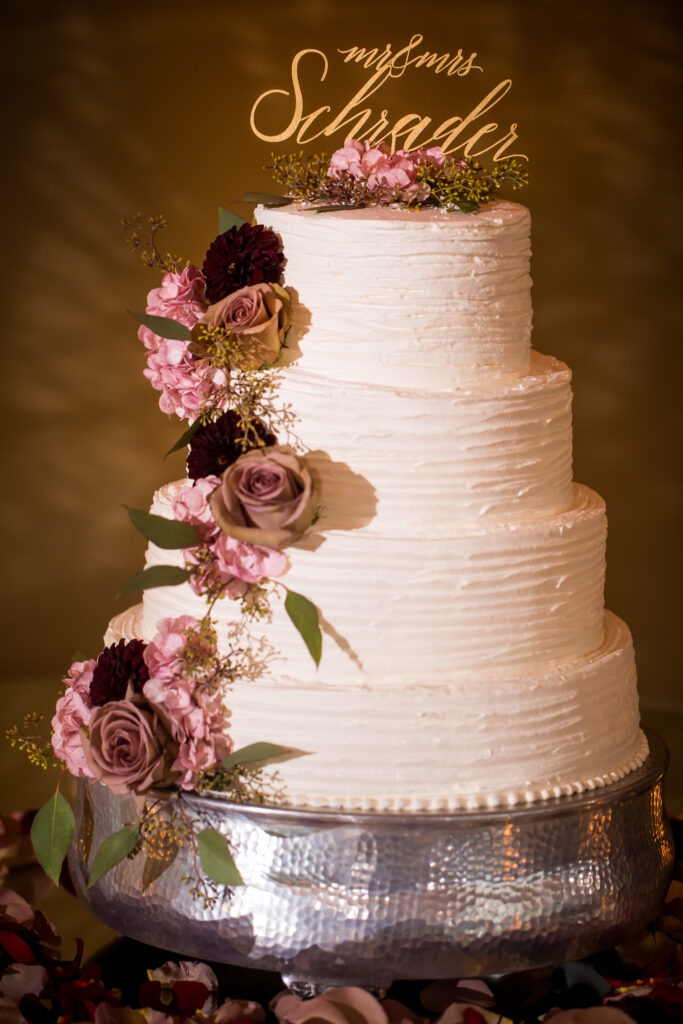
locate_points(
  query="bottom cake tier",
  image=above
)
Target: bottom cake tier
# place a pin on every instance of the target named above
(472, 739)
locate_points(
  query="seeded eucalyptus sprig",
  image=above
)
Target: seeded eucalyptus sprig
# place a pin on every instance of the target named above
(461, 184)
(143, 234)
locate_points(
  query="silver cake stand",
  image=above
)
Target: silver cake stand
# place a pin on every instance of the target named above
(366, 899)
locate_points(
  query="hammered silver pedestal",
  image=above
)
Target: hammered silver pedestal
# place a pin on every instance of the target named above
(366, 899)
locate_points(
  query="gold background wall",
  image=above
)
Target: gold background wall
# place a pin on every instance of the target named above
(113, 108)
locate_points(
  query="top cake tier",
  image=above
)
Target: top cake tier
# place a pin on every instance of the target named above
(422, 299)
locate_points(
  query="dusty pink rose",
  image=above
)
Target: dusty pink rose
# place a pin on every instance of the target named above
(247, 562)
(186, 383)
(191, 505)
(265, 498)
(179, 297)
(73, 710)
(131, 745)
(258, 317)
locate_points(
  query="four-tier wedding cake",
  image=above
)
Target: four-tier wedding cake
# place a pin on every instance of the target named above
(456, 570)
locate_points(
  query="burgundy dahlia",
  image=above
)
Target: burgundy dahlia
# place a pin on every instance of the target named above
(219, 444)
(239, 257)
(119, 666)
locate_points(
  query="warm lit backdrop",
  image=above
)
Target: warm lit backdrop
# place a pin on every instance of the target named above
(113, 108)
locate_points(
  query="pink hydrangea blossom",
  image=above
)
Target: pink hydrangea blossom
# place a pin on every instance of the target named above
(382, 169)
(163, 654)
(179, 297)
(197, 711)
(191, 505)
(247, 562)
(206, 577)
(185, 383)
(73, 710)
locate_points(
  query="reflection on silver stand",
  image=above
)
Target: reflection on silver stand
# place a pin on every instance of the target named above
(365, 899)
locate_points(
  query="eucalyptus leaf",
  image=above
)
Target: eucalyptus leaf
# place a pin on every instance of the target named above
(52, 833)
(160, 855)
(335, 207)
(163, 326)
(113, 849)
(304, 615)
(259, 752)
(155, 576)
(227, 220)
(165, 533)
(267, 199)
(185, 439)
(216, 858)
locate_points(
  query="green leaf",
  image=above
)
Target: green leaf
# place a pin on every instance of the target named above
(185, 439)
(267, 199)
(227, 220)
(335, 207)
(304, 615)
(165, 533)
(52, 833)
(216, 858)
(259, 752)
(155, 576)
(113, 849)
(163, 326)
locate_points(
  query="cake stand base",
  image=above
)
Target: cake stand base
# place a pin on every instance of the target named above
(365, 899)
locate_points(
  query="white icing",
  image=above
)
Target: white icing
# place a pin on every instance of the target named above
(467, 660)
(462, 740)
(425, 299)
(460, 595)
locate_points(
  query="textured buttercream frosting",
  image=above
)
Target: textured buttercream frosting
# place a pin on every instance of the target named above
(425, 299)
(458, 571)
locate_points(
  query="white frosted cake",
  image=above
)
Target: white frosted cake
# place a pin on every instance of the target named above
(468, 660)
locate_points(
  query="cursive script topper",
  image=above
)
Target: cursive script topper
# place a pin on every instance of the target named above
(471, 134)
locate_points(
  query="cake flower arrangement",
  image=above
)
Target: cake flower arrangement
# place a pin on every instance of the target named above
(151, 719)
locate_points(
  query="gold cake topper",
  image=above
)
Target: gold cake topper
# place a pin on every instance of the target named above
(466, 134)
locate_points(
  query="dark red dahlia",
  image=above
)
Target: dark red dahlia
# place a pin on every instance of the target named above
(241, 256)
(118, 666)
(217, 445)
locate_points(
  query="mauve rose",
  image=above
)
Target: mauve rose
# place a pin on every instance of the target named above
(265, 498)
(257, 316)
(131, 745)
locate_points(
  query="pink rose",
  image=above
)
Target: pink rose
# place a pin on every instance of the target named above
(247, 562)
(180, 297)
(73, 710)
(131, 745)
(265, 498)
(257, 316)
(191, 505)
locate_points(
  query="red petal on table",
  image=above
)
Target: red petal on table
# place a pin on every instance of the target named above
(18, 949)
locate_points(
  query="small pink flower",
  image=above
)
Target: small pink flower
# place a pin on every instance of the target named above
(72, 711)
(163, 654)
(186, 383)
(247, 562)
(347, 159)
(191, 505)
(432, 156)
(180, 297)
